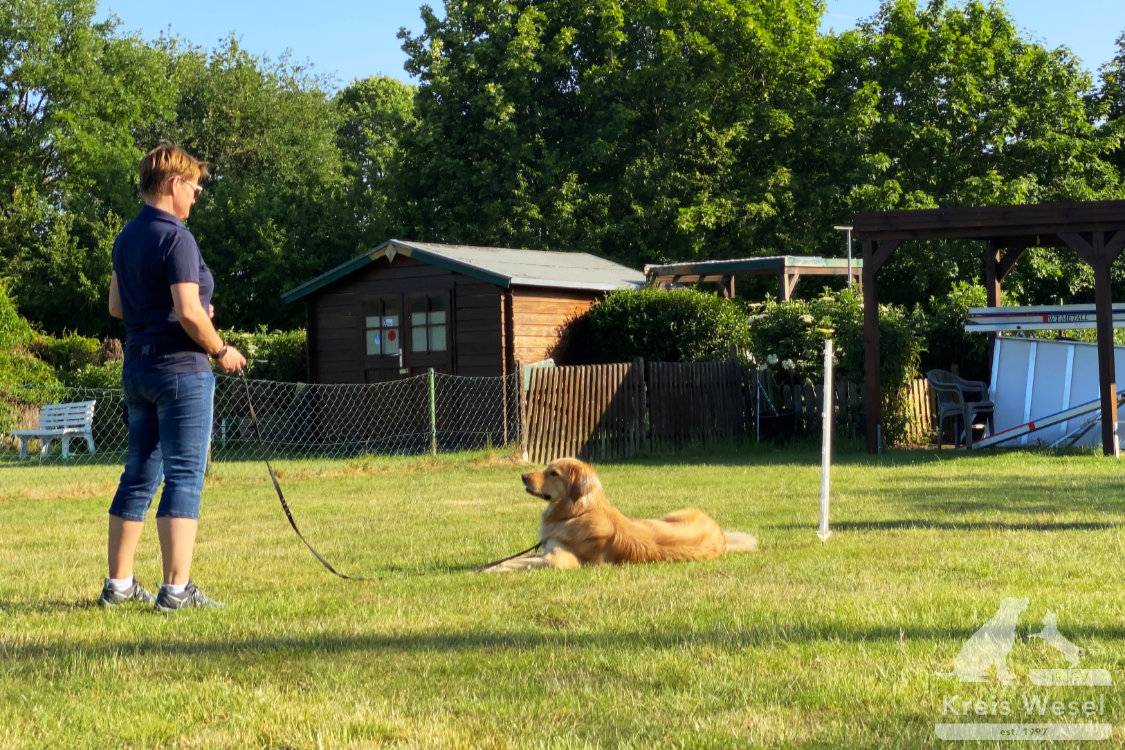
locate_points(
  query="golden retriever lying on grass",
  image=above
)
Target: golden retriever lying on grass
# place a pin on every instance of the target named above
(581, 527)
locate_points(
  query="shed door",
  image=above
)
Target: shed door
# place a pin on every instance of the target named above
(406, 334)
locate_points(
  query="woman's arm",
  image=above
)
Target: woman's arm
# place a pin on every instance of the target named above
(197, 323)
(115, 297)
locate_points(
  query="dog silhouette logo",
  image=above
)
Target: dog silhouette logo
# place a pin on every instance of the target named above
(986, 652)
(988, 648)
(1056, 640)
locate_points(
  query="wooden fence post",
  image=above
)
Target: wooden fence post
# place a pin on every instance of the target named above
(642, 415)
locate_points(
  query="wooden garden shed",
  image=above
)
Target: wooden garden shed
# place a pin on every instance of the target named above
(405, 307)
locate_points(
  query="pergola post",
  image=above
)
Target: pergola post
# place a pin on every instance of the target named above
(874, 256)
(992, 292)
(872, 396)
(726, 286)
(1103, 299)
(1101, 255)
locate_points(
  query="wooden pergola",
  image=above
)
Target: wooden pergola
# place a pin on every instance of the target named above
(788, 269)
(1094, 230)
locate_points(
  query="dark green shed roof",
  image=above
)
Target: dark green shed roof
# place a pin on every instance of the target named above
(505, 267)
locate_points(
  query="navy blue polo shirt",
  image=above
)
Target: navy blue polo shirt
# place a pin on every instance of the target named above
(154, 251)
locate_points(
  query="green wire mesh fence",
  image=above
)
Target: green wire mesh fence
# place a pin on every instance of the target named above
(427, 413)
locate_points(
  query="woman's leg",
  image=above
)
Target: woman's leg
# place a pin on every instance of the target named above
(140, 478)
(185, 434)
(123, 539)
(177, 546)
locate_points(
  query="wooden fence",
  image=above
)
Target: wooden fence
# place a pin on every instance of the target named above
(805, 403)
(607, 412)
(922, 404)
(595, 412)
(693, 403)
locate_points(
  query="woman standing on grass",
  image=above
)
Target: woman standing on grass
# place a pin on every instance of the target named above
(162, 289)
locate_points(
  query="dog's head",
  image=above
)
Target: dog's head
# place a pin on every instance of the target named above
(1013, 605)
(567, 479)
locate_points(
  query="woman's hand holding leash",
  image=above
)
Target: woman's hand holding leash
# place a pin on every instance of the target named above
(229, 359)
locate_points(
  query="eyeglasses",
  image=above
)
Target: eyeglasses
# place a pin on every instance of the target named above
(195, 189)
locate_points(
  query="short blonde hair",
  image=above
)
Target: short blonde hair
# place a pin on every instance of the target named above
(165, 162)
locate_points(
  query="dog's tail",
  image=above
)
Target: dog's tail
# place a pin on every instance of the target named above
(738, 541)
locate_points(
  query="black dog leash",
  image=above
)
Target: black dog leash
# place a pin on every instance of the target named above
(281, 497)
(482, 568)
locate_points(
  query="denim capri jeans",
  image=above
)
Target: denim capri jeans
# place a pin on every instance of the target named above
(169, 434)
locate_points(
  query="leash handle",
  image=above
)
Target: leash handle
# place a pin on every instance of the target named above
(281, 496)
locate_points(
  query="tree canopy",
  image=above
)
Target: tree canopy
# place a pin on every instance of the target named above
(947, 105)
(374, 114)
(80, 105)
(268, 133)
(1110, 103)
(640, 130)
(70, 92)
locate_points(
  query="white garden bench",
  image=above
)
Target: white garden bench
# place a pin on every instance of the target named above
(63, 421)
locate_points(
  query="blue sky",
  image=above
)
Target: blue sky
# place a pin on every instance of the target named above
(349, 39)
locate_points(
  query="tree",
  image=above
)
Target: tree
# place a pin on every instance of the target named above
(641, 130)
(1110, 99)
(80, 105)
(265, 221)
(945, 105)
(71, 93)
(374, 114)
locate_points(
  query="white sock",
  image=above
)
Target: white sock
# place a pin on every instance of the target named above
(121, 584)
(175, 588)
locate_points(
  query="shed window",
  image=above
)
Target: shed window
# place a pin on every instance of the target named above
(382, 324)
(428, 323)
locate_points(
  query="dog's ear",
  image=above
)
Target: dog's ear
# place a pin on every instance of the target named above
(583, 480)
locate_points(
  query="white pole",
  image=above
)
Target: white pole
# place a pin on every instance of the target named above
(826, 443)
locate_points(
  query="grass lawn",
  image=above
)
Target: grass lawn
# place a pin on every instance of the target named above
(804, 644)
